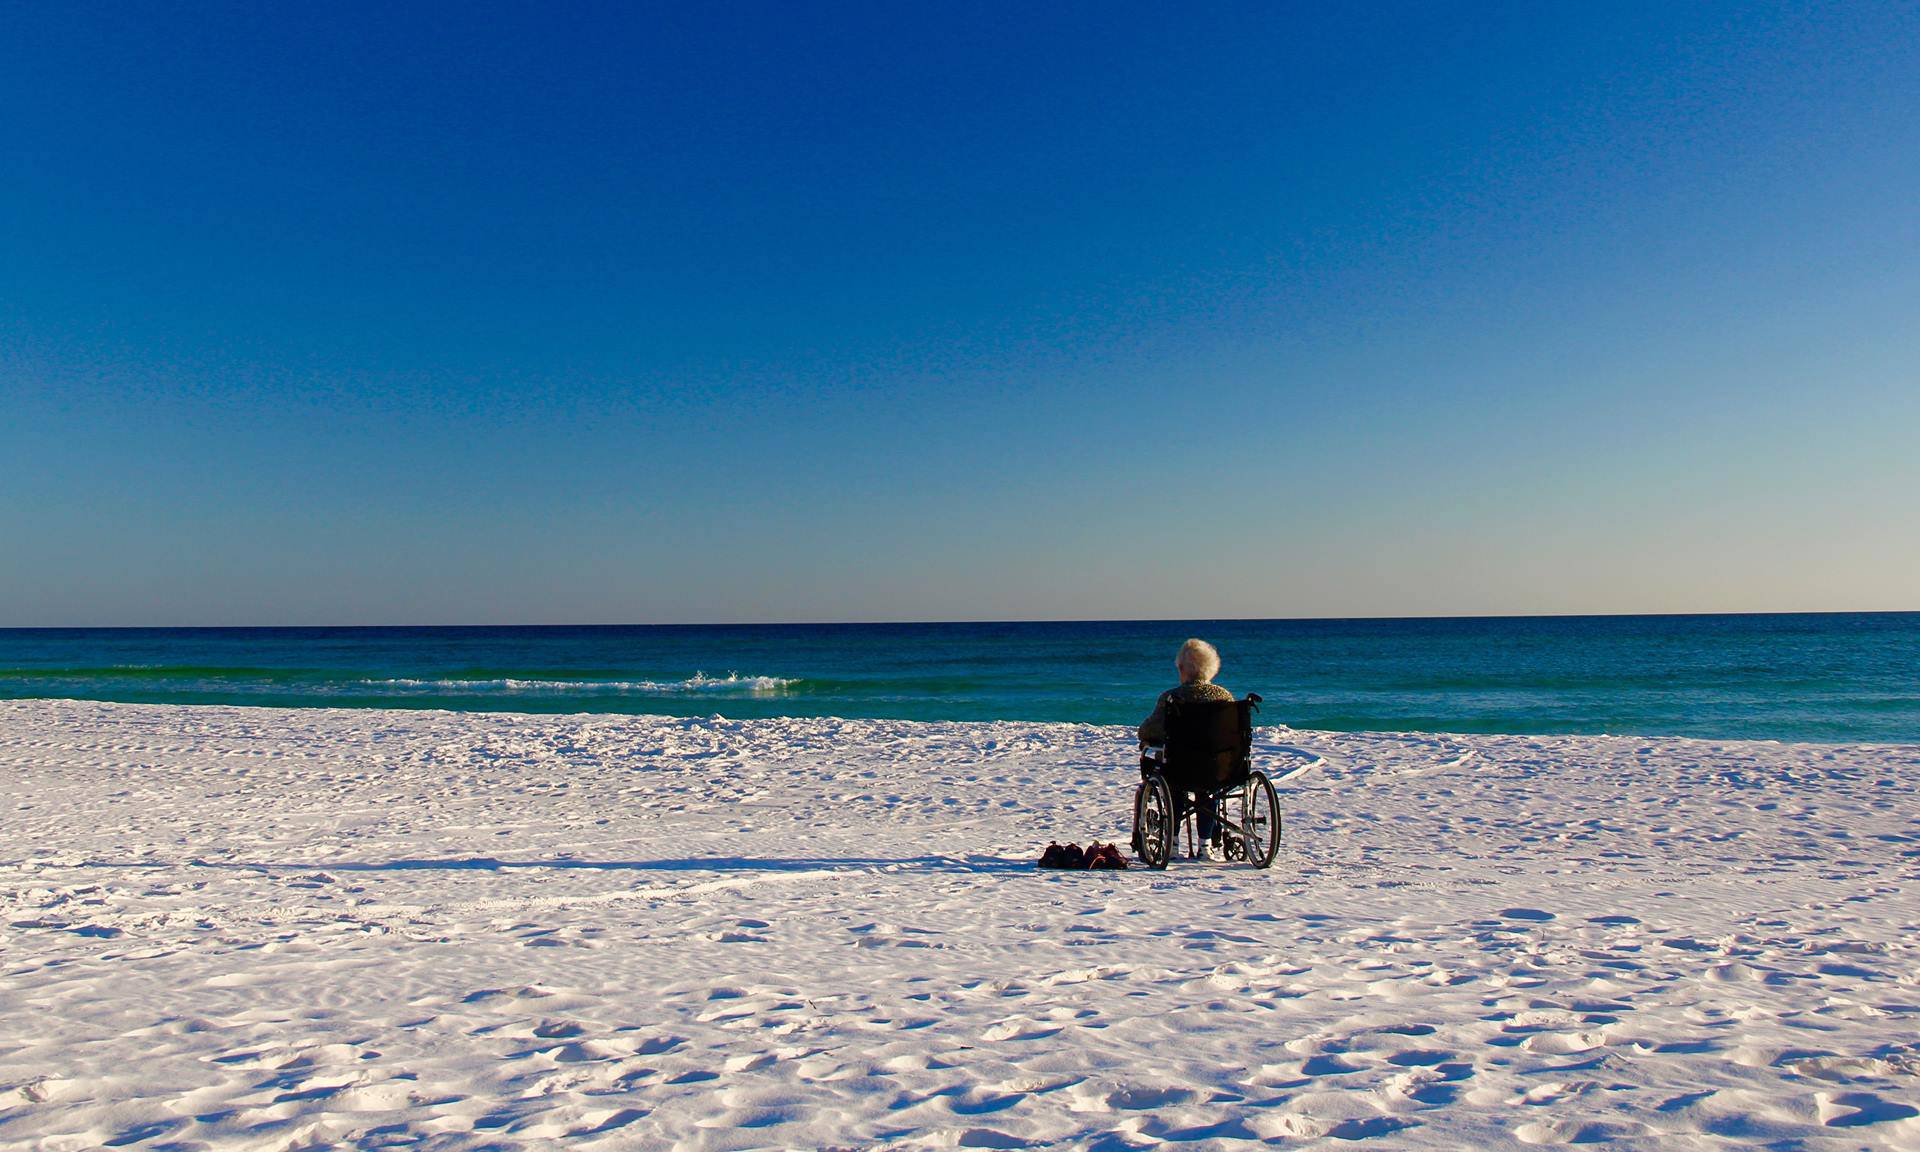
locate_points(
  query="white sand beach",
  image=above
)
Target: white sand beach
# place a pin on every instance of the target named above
(280, 929)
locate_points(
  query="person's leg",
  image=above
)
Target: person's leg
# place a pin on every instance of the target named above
(1193, 806)
(1209, 818)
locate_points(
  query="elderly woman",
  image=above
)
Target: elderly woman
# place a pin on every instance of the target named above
(1198, 663)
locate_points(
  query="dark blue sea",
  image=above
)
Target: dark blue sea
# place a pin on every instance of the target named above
(1827, 677)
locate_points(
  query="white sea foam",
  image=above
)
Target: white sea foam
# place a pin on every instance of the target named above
(699, 682)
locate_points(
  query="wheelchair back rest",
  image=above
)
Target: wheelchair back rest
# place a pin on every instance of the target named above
(1209, 743)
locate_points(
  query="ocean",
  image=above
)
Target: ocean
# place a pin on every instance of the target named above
(1818, 677)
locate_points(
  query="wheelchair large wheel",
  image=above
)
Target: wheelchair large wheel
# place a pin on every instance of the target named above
(1153, 830)
(1260, 817)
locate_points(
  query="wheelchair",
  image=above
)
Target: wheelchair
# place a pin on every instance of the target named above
(1208, 756)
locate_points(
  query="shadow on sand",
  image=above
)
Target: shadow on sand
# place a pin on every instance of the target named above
(950, 864)
(715, 864)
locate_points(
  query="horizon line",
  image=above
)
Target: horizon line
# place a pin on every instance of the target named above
(982, 621)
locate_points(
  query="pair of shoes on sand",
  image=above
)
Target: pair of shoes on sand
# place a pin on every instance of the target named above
(1095, 855)
(1210, 851)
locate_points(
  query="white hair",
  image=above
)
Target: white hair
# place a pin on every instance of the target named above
(1198, 659)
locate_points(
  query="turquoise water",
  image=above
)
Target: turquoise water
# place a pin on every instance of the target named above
(1825, 677)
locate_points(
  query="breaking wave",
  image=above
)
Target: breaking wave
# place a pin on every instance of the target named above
(698, 684)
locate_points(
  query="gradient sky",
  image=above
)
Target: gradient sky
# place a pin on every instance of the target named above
(564, 313)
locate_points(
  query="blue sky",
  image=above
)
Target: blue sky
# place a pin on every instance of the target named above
(356, 314)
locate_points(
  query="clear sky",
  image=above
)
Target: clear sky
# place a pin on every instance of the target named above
(470, 313)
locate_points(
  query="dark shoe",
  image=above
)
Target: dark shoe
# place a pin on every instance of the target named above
(1072, 857)
(1051, 857)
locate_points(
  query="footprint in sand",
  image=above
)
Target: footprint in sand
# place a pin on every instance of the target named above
(1137, 1097)
(1858, 1109)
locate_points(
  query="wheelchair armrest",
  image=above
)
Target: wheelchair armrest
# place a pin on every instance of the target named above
(1153, 758)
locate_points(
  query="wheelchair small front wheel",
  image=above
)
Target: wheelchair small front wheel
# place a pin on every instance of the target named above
(1260, 820)
(1153, 822)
